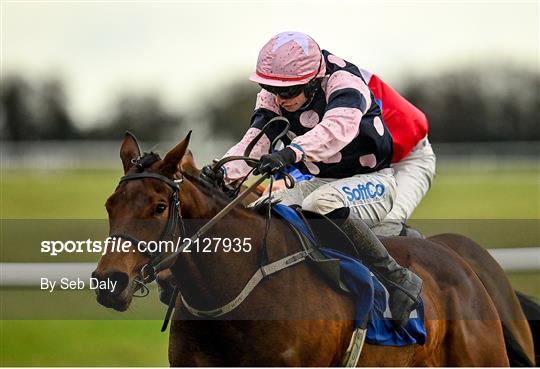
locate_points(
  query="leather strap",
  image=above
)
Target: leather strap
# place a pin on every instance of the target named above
(350, 359)
(170, 308)
(259, 275)
(170, 182)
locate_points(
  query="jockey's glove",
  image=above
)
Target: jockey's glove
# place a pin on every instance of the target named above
(271, 163)
(211, 178)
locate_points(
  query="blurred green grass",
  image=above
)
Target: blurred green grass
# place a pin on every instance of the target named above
(457, 193)
(108, 343)
(483, 193)
(56, 194)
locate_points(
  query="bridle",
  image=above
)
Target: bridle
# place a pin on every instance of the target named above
(160, 261)
(174, 220)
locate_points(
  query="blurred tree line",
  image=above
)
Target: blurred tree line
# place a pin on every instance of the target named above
(483, 103)
(39, 111)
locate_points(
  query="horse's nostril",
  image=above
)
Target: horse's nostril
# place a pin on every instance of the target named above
(94, 274)
(120, 281)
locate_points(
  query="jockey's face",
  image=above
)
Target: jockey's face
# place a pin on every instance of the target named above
(292, 104)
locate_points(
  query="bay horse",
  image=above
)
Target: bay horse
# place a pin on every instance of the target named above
(462, 323)
(519, 314)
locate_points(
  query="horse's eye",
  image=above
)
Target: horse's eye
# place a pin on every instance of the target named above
(160, 208)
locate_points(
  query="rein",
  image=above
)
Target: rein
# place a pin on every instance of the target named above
(159, 261)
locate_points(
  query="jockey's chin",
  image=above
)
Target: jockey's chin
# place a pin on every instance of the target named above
(292, 104)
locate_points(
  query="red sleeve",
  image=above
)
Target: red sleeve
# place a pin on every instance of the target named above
(407, 124)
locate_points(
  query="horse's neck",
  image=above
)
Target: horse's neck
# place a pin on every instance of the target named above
(211, 278)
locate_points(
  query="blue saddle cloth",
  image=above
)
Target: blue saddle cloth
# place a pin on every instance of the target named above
(370, 296)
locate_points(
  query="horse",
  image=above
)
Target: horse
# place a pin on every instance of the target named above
(513, 307)
(521, 331)
(462, 323)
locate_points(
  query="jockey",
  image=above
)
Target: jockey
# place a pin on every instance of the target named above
(339, 136)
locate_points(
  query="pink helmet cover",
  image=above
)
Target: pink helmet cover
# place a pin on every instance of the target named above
(288, 59)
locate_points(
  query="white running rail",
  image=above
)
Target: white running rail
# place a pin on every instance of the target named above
(30, 274)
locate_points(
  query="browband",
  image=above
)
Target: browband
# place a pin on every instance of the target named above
(171, 183)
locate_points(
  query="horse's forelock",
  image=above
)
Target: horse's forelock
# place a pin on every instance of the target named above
(147, 160)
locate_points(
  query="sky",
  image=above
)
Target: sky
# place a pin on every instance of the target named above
(187, 51)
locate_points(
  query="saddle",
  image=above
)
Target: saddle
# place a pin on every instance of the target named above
(341, 265)
(315, 230)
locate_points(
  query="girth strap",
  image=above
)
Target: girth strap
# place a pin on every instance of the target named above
(259, 275)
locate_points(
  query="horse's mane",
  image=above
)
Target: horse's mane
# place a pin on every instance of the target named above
(211, 192)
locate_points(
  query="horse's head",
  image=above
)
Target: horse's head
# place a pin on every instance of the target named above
(139, 210)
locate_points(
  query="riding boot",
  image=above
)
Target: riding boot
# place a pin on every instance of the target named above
(403, 285)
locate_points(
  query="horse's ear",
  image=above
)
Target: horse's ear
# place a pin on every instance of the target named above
(187, 164)
(171, 161)
(129, 150)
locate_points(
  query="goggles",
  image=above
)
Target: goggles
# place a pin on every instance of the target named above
(287, 92)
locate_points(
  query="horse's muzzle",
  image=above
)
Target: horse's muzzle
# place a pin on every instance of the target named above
(113, 298)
